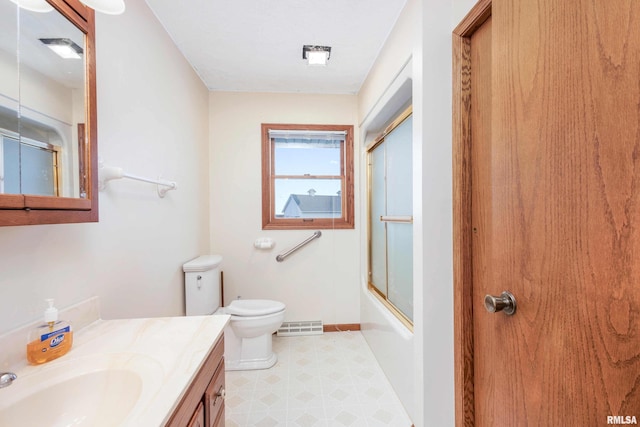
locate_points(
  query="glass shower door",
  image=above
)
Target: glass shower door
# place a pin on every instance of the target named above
(399, 218)
(378, 232)
(391, 218)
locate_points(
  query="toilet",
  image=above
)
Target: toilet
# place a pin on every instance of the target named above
(248, 336)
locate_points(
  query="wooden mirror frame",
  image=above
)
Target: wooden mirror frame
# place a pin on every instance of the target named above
(26, 209)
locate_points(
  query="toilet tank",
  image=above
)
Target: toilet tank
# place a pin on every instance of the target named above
(202, 285)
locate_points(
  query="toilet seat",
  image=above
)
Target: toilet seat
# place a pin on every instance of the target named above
(254, 307)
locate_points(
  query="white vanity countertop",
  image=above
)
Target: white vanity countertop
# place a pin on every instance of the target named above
(168, 352)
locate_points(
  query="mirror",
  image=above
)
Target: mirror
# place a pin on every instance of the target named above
(47, 113)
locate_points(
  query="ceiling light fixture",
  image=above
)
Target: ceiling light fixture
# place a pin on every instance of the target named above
(316, 55)
(110, 7)
(65, 48)
(34, 5)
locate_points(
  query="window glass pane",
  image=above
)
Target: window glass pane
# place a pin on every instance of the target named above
(11, 162)
(307, 157)
(36, 171)
(308, 198)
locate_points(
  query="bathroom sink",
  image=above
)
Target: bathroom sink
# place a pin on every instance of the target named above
(96, 398)
(100, 390)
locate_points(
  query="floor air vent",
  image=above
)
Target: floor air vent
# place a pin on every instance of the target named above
(308, 327)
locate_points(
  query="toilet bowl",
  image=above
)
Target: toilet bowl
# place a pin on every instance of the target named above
(248, 336)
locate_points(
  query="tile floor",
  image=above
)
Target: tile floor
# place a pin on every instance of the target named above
(323, 380)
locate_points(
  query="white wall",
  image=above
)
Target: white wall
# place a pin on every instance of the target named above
(40, 93)
(423, 33)
(388, 87)
(320, 282)
(460, 10)
(152, 119)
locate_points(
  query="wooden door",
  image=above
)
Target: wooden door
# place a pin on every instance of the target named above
(547, 206)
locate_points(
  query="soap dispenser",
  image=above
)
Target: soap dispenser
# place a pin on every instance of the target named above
(51, 339)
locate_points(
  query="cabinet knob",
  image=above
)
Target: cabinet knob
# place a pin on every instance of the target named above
(221, 394)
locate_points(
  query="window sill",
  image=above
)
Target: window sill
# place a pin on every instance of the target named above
(309, 224)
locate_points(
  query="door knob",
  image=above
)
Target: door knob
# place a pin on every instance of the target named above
(505, 302)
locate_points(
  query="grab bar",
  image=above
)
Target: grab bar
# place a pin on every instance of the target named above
(282, 257)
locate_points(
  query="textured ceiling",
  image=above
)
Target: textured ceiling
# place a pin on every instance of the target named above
(256, 45)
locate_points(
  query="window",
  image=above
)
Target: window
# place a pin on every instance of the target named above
(391, 218)
(28, 166)
(307, 176)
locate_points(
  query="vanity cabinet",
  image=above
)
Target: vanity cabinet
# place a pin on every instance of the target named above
(203, 403)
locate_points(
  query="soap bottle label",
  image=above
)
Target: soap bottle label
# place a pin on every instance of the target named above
(45, 337)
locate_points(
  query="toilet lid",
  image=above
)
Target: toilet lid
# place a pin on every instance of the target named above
(254, 307)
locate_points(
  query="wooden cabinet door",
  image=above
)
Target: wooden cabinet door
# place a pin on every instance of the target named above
(214, 398)
(198, 417)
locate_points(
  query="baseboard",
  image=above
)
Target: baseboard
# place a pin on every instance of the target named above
(341, 327)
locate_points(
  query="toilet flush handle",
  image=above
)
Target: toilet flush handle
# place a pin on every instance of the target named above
(199, 281)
